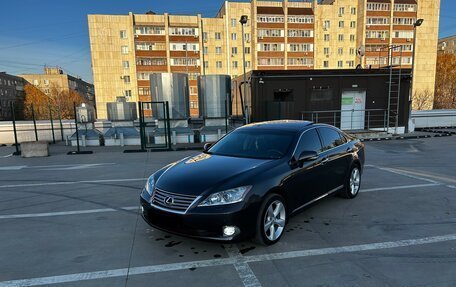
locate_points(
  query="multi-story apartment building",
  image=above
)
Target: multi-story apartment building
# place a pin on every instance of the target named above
(447, 45)
(55, 78)
(11, 91)
(279, 35)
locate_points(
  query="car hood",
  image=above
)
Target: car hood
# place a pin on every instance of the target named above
(203, 172)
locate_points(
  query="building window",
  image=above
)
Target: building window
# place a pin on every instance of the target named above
(341, 11)
(185, 62)
(233, 22)
(126, 79)
(193, 104)
(377, 34)
(123, 34)
(234, 64)
(218, 64)
(150, 30)
(300, 33)
(326, 37)
(352, 51)
(325, 64)
(183, 31)
(206, 64)
(404, 21)
(340, 51)
(46, 82)
(151, 62)
(326, 51)
(205, 36)
(124, 50)
(125, 64)
(300, 62)
(143, 76)
(273, 47)
(193, 90)
(353, 10)
(234, 51)
(184, 47)
(377, 21)
(271, 61)
(341, 24)
(300, 19)
(247, 37)
(270, 19)
(218, 36)
(148, 46)
(127, 93)
(405, 7)
(340, 64)
(218, 50)
(270, 33)
(300, 47)
(247, 50)
(206, 50)
(351, 64)
(403, 34)
(341, 37)
(353, 24)
(36, 82)
(378, 6)
(352, 38)
(247, 64)
(327, 24)
(233, 36)
(143, 91)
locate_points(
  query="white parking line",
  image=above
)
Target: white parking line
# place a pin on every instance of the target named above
(243, 269)
(400, 187)
(71, 182)
(75, 212)
(225, 261)
(403, 173)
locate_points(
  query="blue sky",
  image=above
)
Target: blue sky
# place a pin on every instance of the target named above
(54, 32)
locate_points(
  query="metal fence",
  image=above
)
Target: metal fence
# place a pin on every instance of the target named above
(366, 119)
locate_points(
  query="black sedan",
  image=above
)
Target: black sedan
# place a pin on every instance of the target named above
(252, 180)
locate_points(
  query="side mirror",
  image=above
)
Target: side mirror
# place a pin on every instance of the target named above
(308, 156)
(207, 146)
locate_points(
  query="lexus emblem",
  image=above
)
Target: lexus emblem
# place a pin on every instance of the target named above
(169, 200)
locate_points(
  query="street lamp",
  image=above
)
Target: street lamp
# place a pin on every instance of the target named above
(418, 23)
(243, 21)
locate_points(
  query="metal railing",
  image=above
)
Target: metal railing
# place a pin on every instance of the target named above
(365, 119)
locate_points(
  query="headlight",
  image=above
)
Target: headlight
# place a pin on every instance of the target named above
(150, 185)
(226, 197)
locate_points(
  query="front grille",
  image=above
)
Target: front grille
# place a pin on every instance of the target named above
(176, 202)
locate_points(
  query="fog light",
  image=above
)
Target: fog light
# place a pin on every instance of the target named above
(229, 230)
(142, 209)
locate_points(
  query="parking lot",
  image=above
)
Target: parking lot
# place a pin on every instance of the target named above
(73, 221)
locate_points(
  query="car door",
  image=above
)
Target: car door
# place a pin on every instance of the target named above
(334, 158)
(304, 181)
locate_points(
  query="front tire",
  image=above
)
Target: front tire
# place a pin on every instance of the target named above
(352, 183)
(271, 221)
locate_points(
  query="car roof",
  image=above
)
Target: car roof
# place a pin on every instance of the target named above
(283, 125)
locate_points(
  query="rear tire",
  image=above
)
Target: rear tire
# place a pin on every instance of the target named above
(352, 183)
(271, 221)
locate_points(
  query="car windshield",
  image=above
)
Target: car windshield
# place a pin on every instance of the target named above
(262, 144)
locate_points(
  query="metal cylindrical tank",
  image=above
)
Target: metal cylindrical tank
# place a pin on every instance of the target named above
(214, 93)
(172, 88)
(121, 111)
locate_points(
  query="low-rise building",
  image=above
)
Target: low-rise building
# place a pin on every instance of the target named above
(55, 78)
(447, 45)
(11, 91)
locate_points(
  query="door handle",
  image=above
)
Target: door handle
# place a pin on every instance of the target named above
(324, 161)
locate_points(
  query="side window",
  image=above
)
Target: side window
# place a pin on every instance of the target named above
(308, 142)
(330, 138)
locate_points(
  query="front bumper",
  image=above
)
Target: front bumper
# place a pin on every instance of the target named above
(201, 222)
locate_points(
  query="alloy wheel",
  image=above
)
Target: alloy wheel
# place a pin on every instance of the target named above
(355, 179)
(274, 220)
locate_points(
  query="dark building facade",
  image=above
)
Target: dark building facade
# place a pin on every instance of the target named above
(11, 91)
(350, 99)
